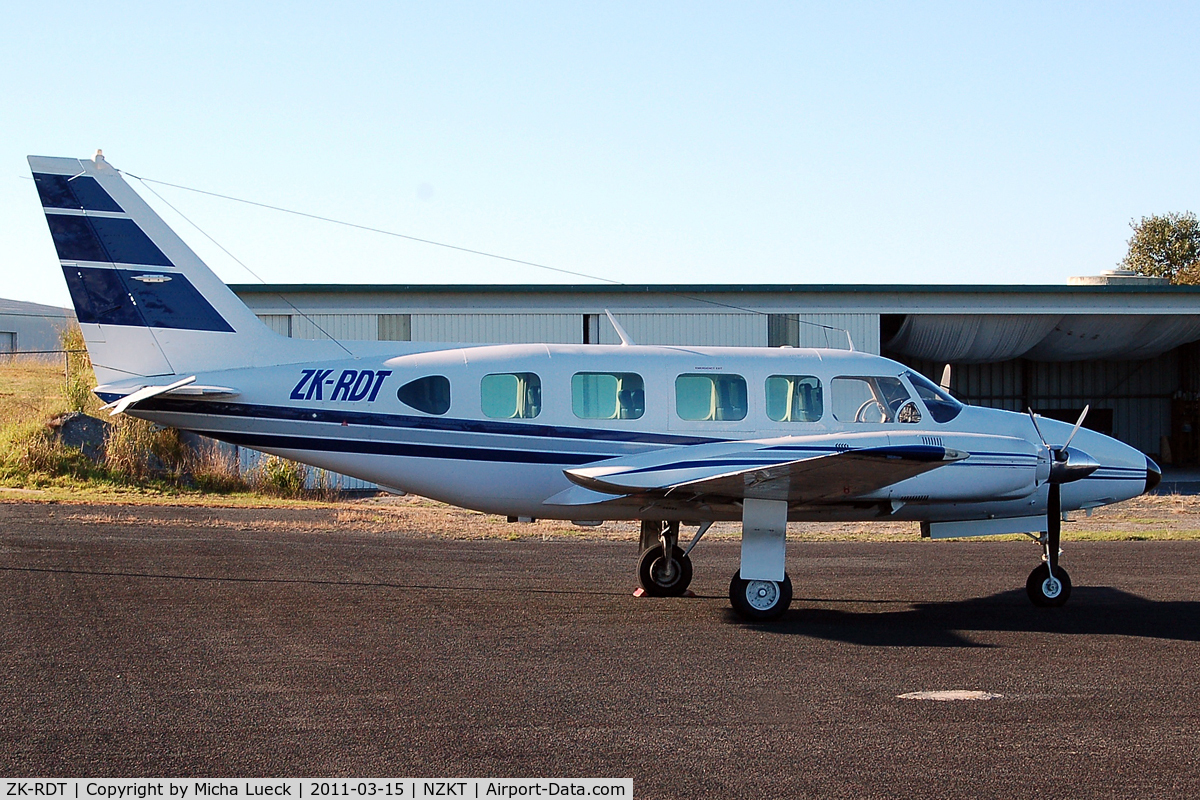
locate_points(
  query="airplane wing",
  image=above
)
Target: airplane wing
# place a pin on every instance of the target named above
(823, 472)
(831, 477)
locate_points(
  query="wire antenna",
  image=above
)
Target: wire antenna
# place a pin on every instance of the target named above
(242, 264)
(484, 253)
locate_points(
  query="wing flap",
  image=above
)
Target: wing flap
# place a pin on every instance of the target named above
(824, 477)
(837, 476)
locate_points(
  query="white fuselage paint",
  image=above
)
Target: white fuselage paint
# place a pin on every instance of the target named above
(514, 466)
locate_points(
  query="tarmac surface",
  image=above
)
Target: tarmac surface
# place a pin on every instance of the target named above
(182, 650)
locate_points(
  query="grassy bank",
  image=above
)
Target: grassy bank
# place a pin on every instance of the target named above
(137, 461)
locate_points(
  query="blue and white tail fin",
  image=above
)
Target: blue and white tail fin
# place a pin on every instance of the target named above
(147, 305)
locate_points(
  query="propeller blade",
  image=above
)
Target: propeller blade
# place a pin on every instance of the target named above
(945, 384)
(1053, 525)
(1033, 419)
(1078, 425)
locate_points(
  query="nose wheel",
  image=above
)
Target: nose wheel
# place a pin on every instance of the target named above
(760, 600)
(1048, 590)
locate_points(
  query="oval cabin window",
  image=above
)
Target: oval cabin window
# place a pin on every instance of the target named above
(431, 394)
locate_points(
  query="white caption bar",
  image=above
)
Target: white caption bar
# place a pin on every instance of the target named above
(312, 788)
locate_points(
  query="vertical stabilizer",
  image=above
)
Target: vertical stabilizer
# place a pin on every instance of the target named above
(147, 304)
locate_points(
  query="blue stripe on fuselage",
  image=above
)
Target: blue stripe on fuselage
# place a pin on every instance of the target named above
(309, 414)
(283, 442)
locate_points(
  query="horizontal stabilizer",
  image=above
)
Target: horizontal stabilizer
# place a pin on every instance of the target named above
(197, 390)
(145, 393)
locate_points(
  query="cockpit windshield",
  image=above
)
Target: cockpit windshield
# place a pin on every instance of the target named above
(942, 407)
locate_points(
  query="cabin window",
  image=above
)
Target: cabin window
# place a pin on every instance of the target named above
(608, 395)
(941, 406)
(511, 395)
(868, 399)
(710, 397)
(431, 394)
(794, 398)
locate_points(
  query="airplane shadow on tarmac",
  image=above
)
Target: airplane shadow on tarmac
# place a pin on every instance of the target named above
(1092, 611)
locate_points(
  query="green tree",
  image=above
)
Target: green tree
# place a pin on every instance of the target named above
(1165, 246)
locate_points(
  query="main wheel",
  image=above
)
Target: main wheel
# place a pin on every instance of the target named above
(661, 577)
(1047, 592)
(760, 600)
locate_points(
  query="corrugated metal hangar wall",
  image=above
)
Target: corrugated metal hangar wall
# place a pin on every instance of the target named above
(1131, 400)
(734, 329)
(1011, 347)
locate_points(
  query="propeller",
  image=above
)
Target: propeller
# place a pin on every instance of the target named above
(1066, 465)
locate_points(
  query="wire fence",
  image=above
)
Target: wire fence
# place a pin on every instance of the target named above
(12, 356)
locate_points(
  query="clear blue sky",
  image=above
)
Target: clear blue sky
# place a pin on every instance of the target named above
(670, 142)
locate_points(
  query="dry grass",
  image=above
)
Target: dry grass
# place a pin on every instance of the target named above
(1147, 518)
(30, 390)
(140, 458)
(141, 451)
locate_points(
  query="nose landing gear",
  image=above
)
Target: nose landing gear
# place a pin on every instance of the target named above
(1048, 590)
(1049, 585)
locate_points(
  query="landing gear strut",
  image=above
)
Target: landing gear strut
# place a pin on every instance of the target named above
(663, 568)
(1049, 585)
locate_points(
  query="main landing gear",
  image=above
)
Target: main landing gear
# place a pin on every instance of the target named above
(760, 600)
(664, 570)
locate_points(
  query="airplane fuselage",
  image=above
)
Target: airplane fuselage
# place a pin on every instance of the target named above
(494, 427)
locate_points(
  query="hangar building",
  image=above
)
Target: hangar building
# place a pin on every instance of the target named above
(32, 327)
(1128, 346)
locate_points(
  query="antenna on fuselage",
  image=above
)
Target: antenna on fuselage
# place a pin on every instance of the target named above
(625, 340)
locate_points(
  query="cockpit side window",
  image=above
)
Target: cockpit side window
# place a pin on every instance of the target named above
(869, 400)
(942, 407)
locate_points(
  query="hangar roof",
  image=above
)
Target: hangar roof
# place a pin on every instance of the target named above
(957, 323)
(19, 308)
(860, 298)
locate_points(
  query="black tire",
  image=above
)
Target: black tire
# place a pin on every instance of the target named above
(1043, 593)
(660, 579)
(760, 600)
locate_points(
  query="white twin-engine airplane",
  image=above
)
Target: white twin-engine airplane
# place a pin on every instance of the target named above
(665, 435)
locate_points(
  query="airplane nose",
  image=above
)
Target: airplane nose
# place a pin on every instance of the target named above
(1153, 476)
